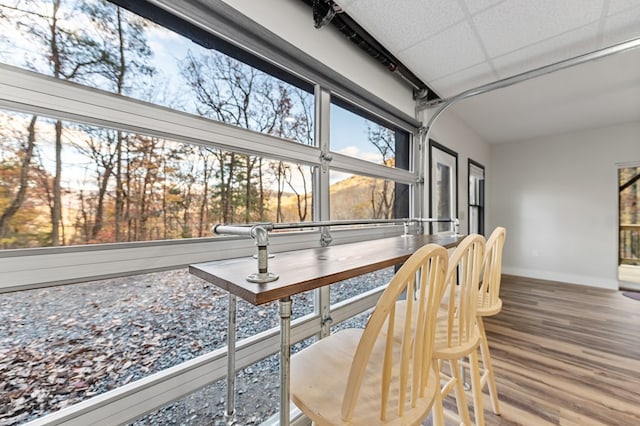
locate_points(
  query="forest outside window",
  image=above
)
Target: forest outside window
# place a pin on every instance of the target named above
(100, 45)
(362, 197)
(117, 186)
(80, 184)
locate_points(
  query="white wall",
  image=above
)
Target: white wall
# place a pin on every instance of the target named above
(450, 131)
(558, 198)
(292, 20)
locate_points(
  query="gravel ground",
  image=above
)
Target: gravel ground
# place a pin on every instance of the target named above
(62, 345)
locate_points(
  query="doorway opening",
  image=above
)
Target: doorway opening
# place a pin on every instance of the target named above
(629, 227)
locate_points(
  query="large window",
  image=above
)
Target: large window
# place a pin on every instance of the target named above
(357, 139)
(123, 139)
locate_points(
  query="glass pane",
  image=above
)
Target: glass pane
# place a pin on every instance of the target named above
(356, 136)
(62, 345)
(474, 220)
(257, 398)
(343, 290)
(256, 319)
(476, 199)
(132, 56)
(115, 186)
(443, 191)
(361, 197)
(359, 321)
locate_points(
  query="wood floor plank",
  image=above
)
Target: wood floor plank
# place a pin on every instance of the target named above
(564, 355)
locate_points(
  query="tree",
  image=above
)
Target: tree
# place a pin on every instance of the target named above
(382, 191)
(22, 184)
(125, 55)
(235, 93)
(68, 54)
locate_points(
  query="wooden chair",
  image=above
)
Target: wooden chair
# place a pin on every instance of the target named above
(457, 332)
(365, 377)
(489, 303)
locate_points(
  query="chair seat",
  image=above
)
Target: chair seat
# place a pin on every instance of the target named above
(486, 311)
(442, 350)
(326, 364)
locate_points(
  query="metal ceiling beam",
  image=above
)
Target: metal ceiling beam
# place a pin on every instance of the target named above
(518, 78)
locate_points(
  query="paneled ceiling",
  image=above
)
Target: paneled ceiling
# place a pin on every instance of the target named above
(455, 45)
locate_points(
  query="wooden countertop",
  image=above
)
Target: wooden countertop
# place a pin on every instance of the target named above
(304, 270)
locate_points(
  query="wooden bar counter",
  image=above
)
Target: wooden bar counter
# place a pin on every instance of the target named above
(300, 271)
(304, 270)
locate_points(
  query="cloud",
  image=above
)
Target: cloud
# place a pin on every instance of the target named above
(354, 151)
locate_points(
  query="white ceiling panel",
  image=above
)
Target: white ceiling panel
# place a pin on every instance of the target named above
(475, 6)
(457, 48)
(568, 45)
(451, 84)
(621, 27)
(514, 24)
(405, 22)
(617, 6)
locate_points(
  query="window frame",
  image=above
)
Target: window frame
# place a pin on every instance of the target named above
(481, 196)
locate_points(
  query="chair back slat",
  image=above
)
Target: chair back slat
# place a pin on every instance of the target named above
(490, 288)
(406, 363)
(463, 280)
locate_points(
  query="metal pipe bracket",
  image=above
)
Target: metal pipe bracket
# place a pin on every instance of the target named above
(260, 233)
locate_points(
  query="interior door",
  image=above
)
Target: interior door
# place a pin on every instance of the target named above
(444, 187)
(476, 198)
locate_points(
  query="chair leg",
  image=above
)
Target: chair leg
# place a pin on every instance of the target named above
(437, 411)
(476, 386)
(461, 399)
(486, 361)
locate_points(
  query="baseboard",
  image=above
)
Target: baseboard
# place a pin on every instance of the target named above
(585, 280)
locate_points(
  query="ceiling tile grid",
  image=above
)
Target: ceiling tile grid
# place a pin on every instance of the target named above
(400, 24)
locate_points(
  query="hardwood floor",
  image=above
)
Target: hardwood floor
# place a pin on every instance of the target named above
(564, 355)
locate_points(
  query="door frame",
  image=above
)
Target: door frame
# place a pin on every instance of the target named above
(435, 145)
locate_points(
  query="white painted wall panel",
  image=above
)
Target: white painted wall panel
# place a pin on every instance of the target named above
(558, 198)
